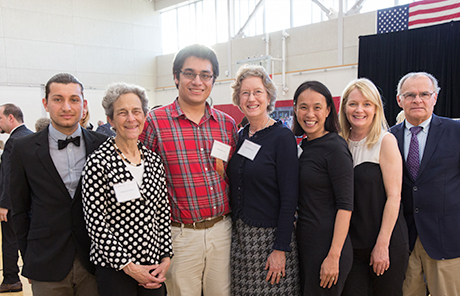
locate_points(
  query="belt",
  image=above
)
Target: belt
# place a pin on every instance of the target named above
(204, 224)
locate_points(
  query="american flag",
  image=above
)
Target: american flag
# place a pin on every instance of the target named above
(417, 14)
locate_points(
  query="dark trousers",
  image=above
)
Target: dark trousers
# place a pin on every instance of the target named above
(9, 252)
(111, 282)
(362, 281)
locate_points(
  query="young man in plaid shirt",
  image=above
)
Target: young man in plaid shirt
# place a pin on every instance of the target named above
(195, 142)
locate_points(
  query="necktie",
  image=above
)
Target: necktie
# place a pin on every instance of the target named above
(63, 143)
(413, 156)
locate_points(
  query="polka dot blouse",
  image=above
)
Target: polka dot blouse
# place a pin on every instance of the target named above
(137, 230)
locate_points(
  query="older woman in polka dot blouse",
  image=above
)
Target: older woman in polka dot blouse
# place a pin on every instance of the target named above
(125, 202)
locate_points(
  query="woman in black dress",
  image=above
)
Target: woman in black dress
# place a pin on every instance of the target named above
(325, 193)
(378, 231)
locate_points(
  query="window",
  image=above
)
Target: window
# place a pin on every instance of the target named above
(206, 21)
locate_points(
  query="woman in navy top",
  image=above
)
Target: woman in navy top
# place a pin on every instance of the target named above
(264, 186)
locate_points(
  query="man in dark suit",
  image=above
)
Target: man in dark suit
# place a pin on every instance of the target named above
(106, 129)
(46, 183)
(430, 146)
(11, 122)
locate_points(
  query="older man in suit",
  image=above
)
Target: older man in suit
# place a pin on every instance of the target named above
(11, 122)
(46, 183)
(430, 146)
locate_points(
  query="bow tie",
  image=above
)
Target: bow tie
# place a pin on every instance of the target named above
(63, 143)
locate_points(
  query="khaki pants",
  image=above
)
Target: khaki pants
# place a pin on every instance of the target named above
(201, 261)
(78, 282)
(442, 276)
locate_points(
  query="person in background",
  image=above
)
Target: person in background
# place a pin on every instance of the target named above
(106, 129)
(128, 211)
(47, 203)
(264, 189)
(84, 122)
(378, 231)
(400, 117)
(195, 142)
(242, 123)
(429, 145)
(11, 122)
(325, 193)
(42, 123)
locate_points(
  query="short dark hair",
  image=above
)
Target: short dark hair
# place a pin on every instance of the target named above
(13, 110)
(63, 78)
(332, 121)
(195, 50)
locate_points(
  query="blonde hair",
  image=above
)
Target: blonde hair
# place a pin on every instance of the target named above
(370, 92)
(400, 117)
(85, 118)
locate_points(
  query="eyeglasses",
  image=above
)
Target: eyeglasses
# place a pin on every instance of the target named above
(191, 75)
(256, 94)
(424, 95)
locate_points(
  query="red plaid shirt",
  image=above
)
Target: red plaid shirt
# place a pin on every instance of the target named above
(196, 190)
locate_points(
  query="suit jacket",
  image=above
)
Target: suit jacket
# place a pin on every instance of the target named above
(49, 224)
(106, 130)
(432, 202)
(5, 165)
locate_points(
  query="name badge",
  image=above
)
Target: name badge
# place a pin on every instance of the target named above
(299, 151)
(220, 150)
(249, 149)
(126, 191)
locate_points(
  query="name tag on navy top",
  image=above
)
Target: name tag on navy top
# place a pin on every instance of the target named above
(249, 149)
(126, 191)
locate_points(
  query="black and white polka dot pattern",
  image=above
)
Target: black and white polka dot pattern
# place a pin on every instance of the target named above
(138, 230)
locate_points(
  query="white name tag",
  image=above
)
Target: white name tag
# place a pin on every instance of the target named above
(220, 150)
(299, 151)
(249, 149)
(126, 191)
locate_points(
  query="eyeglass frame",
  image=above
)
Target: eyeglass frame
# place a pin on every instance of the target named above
(419, 95)
(190, 73)
(247, 94)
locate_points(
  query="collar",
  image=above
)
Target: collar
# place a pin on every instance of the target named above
(424, 124)
(177, 111)
(12, 131)
(57, 135)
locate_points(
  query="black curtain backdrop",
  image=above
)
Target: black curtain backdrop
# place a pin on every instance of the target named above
(385, 58)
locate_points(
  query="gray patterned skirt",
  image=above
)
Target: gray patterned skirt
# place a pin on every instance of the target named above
(251, 247)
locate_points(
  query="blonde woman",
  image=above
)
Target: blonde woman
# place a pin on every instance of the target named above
(378, 231)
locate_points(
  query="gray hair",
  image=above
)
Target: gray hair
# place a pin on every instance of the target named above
(247, 71)
(417, 74)
(115, 90)
(42, 123)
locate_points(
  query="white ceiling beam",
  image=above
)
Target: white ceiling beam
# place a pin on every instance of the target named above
(330, 13)
(356, 7)
(250, 17)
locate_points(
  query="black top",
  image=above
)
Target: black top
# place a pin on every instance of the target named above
(263, 192)
(326, 185)
(370, 198)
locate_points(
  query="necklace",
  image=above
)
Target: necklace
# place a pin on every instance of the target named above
(252, 133)
(124, 157)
